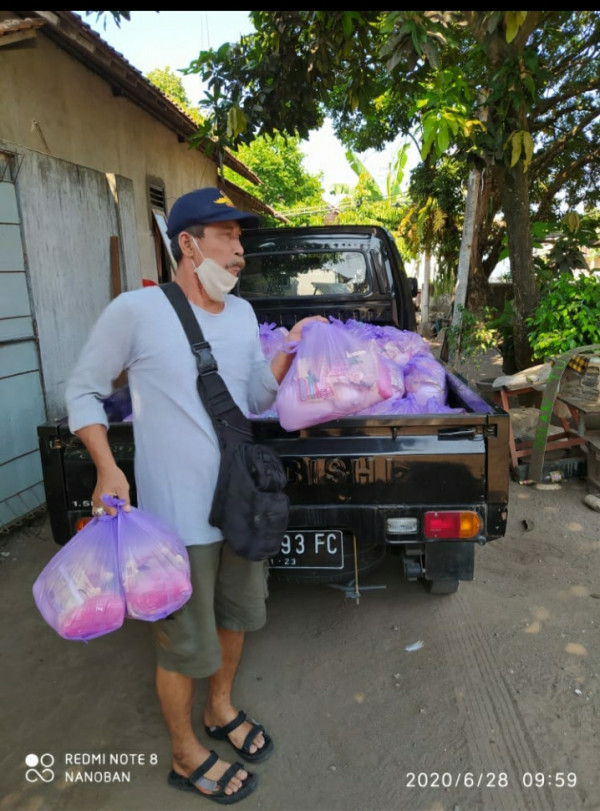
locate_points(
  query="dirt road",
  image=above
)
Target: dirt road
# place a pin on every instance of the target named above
(486, 699)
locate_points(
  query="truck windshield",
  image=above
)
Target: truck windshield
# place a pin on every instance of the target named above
(284, 274)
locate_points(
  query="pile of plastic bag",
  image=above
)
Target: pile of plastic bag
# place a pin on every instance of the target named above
(354, 368)
(126, 565)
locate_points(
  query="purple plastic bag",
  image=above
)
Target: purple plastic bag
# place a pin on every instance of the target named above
(425, 380)
(272, 339)
(334, 374)
(401, 346)
(78, 593)
(154, 566)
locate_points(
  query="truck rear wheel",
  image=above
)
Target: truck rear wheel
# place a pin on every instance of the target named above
(441, 586)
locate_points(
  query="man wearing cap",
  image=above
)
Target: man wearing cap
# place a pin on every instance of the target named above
(176, 465)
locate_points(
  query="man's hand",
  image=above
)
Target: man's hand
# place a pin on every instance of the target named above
(112, 482)
(295, 334)
(283, 360)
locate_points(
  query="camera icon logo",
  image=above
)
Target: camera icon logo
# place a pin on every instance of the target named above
(45, 773)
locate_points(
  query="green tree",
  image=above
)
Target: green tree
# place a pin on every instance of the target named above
(276, 160)
(510, 93)
(172, 86)
(567, 316)
(116, 15)
(286, 185)
(367, 204)
(433, 220)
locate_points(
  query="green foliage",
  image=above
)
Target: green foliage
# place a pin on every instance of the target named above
(172, 86)
(476, 334)
(561, 246)
(367, 187)
(514, 20)
(567, 316)
(445, 110)
(433, 220)
(116, 15)
(285, 184)
(381, 73)
(442, 286)
(473, 336)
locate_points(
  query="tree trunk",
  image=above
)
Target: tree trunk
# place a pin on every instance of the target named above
(515, 202)
(425, 331)
(478, 291)
(466, 252)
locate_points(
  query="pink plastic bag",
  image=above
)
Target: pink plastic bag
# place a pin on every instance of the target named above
(334, 374)
(78, 593)
(154, 566)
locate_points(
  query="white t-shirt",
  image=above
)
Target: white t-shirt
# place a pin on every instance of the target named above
(176, 449)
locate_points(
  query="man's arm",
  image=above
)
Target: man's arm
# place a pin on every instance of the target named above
(107, 351)
(110, 478)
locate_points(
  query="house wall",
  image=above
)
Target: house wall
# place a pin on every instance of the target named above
(75, 229)
(69, 215)
(52, 103)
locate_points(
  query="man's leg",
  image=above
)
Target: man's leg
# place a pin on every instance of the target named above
(219, 709)
(175, 694)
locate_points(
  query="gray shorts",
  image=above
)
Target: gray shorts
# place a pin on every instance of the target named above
(227, 592)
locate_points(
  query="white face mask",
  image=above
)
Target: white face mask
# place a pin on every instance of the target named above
(214, 278)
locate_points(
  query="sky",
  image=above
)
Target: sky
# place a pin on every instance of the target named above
(174, 38)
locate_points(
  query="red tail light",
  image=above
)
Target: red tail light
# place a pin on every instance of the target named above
(456, 524)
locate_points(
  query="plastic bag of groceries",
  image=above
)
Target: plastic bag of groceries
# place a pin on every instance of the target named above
(397, 345)
(272, 339)
(78, 593)
(334, 374)
(124, 565)
(154, 566)
(425, 383)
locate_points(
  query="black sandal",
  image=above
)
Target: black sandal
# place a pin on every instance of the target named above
(213, 789)
(222, 734)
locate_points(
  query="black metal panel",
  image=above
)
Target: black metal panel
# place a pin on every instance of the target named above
(54, 485)
(450, 560)
(70, 475)
(380, 480)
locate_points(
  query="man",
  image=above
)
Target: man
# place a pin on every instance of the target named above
(176, 466)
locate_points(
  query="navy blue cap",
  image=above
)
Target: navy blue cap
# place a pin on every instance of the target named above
(203, 207)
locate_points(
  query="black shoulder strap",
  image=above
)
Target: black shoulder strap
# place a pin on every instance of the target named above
(211, 386)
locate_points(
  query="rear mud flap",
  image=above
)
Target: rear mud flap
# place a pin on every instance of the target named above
(449, 560)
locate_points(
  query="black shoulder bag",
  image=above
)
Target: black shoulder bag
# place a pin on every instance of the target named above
(249, 505)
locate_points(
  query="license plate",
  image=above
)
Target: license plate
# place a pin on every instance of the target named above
(310, 549)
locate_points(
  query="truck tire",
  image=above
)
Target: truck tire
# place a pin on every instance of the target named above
(441, 586)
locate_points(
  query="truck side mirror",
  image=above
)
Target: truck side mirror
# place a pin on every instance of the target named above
(414, 287)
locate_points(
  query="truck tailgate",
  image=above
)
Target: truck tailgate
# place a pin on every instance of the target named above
(377, 463)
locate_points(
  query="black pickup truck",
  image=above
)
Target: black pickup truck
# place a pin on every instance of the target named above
(418, 491)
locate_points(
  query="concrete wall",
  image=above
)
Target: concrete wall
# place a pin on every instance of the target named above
(68, 215)
(82, 158)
